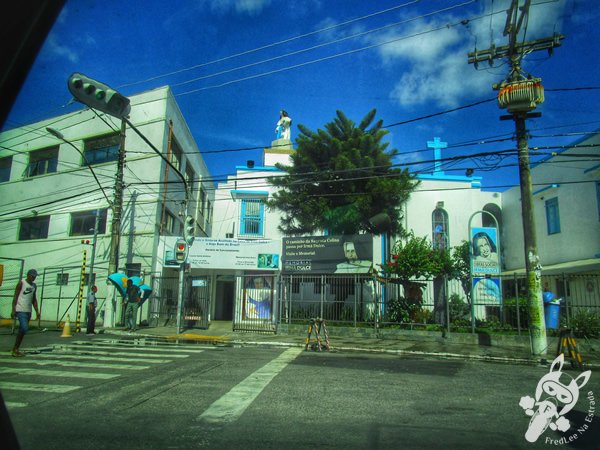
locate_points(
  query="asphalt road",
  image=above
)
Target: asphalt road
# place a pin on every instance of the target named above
(142, 394)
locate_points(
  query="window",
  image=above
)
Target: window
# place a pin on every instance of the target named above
(34, 228)
(252, 216)
(133, 269)
(86, 279)
(439, 225)
(62, 279)
(208, 212)
(5, 165)
(83, 223)
(552, 216)
(175, 154)
(190, 176)
(102, 149)
(203, 198)
(169, 223)
(598, 197)
(42, 162)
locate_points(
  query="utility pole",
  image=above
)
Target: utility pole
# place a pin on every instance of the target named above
(115, 237)
(519, 94)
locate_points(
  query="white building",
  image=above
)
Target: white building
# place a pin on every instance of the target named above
(566, 204)
(50, 198)
(441, 208)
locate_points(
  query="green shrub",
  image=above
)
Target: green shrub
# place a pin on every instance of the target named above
(510, 308)
(402, 310)
(586, 323)
(459, 310)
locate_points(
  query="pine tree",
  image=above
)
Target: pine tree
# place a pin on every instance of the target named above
(339, 178)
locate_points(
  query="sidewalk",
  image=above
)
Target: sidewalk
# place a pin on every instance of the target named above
(415, 344)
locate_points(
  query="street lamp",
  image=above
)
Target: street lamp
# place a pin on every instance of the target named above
(60, 136)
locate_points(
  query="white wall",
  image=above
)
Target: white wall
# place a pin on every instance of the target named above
(579, 237)
(66, 191)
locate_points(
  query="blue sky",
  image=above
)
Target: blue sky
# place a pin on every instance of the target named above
(233, 64)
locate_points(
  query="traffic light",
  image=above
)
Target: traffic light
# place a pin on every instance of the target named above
(180, 250)
(98, 95)
(189, 229)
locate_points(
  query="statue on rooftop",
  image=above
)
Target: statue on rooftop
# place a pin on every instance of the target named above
(283, 126)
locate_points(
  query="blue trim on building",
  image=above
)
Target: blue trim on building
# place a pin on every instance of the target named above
(545, 188)
(250, 193)
(560, 151)
(259, 168)
(440, 176)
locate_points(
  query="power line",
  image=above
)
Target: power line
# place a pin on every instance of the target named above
(274, 44)
(314, 47)
(334, 56)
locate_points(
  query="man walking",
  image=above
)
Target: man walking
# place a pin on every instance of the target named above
(133, 302)
(25, 298)
(92, 302)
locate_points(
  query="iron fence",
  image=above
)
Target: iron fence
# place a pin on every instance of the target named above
(367, 301)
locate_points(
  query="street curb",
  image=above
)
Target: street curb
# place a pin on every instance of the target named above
(443, 355)
(234, 341)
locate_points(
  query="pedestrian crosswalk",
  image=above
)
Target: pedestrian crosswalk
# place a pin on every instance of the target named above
(98, 359)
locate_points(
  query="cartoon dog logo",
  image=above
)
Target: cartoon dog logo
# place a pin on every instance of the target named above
(550, 395)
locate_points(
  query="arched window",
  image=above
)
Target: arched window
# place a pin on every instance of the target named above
(440, 233)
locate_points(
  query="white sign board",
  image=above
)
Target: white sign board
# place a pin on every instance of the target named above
(207, 253)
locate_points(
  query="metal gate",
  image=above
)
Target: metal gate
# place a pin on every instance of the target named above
(342, 299)
(197, 302)
(255, 307)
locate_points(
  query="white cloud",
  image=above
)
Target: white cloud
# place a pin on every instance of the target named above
(444, 82)
(416, 45)
(434, 66)
(62, 51)
(251, 7)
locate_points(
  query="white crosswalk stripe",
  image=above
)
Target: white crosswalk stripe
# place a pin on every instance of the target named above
(54, 388)
(150, 349)
(147, 348)
(134, 353)
(90, 360)
(80, 356)
(57, 373)
(54, 360)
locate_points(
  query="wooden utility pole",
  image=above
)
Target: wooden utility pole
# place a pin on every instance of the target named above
(520, 94)
(115, 237)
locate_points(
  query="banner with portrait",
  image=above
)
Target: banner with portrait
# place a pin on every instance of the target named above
(328, 254)
(485, 250)
(258, 295)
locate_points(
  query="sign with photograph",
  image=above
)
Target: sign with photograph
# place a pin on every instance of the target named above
(258, 296)
(328, 254)
(484, 250)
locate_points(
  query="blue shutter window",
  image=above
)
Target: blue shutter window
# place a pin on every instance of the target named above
(252, 217)
(552, 216)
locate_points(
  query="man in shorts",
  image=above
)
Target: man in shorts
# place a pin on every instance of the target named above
(24, 299)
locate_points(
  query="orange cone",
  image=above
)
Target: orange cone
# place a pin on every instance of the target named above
(67, 328)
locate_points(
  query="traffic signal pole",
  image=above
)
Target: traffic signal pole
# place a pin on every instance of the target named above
(102, 97)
